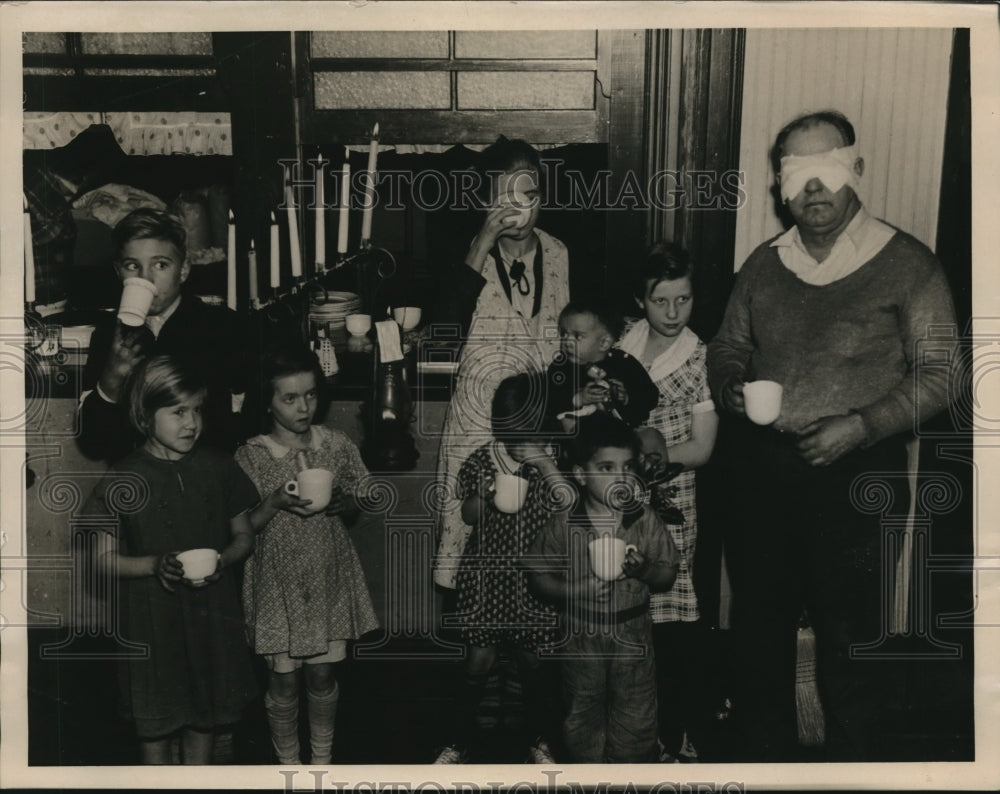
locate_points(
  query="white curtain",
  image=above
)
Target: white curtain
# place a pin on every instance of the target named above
(893, 86)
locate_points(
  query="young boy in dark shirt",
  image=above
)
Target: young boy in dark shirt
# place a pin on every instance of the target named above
(608, 668)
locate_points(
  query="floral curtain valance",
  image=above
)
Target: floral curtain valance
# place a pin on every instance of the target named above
(136, 133)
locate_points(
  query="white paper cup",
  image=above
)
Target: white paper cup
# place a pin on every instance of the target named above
(607, 556)
(315, 485)
(358, 324)
(137, 297)
(408, 317)
(198, 563)
(510, 493)
(762, 401)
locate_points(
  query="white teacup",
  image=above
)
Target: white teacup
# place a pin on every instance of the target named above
(607, 556)
(510, 493)
(358, 324)
(408, 317)
(520, 202)
(137, 297)
(198, 563)
(762, 401)
(316, 485)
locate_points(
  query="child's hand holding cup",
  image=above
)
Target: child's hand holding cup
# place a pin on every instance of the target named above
(314, 486)
(510, 492)
(608, 556)
(199, 565)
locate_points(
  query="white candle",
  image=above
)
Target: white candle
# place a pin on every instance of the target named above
(231, 264)
(366, 218)
(29, 258)
(275, 255)
(293, 232)
(252, 257)
(345, 198)
(320, 217)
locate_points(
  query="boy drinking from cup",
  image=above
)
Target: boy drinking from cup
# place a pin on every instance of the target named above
(609, 681)
(157, 318)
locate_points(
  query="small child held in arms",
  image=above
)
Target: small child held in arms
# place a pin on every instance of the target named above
(589, 374)
(609, 678)
(171, 495)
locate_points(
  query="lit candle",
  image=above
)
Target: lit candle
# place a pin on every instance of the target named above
(293, 232)
(345, 198)
(275, 255)
(366, 218)
(231, 264)
(320, 217)
(252, 257)
(29, 258)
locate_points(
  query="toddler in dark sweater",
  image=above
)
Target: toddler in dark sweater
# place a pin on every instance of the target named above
(589, 374)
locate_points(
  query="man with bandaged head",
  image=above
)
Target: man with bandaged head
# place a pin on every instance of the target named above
(832, 310)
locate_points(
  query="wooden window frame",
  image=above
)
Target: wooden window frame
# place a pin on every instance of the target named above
(112, 93)
(454, 126)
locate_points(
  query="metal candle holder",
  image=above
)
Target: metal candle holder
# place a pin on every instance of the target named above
(372, 264)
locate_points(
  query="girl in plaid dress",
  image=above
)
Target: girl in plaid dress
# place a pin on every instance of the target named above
(685, 418)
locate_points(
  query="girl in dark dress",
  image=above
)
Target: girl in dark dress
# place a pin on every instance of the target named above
(495, 608)
(169, 496)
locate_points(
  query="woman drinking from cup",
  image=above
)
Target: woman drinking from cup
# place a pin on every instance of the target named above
(304, 592)
(178, 505)
(514, 283)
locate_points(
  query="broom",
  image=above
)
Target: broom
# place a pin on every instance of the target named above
(808, 708)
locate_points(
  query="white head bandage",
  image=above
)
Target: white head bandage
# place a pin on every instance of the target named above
(834, 169)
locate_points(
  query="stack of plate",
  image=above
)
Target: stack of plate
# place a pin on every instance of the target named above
(331, 315)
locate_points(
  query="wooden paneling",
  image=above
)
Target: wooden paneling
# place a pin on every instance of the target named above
(626, 229)
(472, 126)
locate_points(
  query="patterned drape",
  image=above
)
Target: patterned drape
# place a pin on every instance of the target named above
(136, 133)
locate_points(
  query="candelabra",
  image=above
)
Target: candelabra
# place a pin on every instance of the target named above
(371, 264)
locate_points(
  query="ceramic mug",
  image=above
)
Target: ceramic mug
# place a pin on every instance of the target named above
(408, 317)
(607, 556)
(137, 297)
(762, 401)
(316, 485)
(198, 563)
(520, 202)
(510, 492)
(358, 324)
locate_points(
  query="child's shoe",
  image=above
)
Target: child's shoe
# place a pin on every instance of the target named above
(540, 754)
(451, 755)
(666, 757)
(687, 754)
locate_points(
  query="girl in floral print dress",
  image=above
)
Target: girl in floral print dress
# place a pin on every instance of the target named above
(304, 592)
(685, 418)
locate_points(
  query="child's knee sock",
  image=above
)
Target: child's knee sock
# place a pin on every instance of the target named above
(322, 714)
(283, 720)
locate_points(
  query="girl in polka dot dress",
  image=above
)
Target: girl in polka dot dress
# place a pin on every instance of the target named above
(495, 607)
